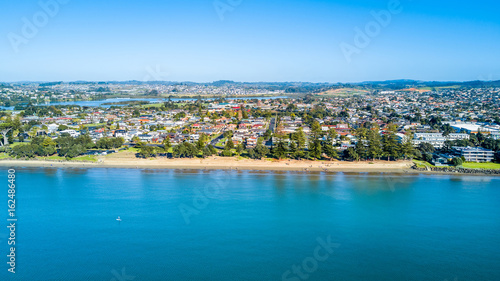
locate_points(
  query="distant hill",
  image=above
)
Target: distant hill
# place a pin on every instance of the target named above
(293, 87)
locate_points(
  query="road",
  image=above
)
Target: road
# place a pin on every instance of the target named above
(216, 140)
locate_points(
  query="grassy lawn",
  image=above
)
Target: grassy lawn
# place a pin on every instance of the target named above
(422, 164)
(132, 149)
(4, 155)
(80, 158)
(152, 105)
(222, 142)
(12, 145)
(55, 157)
(492, 166)
(90, 158)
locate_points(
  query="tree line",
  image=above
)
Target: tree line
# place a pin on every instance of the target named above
(64, 146)
(320, 145)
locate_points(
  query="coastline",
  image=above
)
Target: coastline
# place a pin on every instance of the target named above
(220, 163)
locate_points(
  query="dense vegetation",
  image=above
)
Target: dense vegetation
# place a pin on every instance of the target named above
(64, 146)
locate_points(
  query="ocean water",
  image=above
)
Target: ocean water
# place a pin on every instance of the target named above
(217, 225)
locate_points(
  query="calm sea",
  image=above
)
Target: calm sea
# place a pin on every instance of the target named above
(216, 225)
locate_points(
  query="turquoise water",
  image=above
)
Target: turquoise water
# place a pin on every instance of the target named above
(252, 226)
(101, 103)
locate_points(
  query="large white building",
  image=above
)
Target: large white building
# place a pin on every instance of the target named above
(474, 128)
(475, 154)
(72, 133)
(437, 139)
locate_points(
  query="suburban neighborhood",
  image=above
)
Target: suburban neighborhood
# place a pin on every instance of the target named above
(440, 127)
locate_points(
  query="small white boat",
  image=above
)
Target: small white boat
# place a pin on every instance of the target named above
(118, 219)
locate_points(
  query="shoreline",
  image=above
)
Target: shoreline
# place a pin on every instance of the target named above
(219, 163)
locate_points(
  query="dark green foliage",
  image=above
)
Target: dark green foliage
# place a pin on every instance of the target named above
(70, 147)
(25, 151)
(330, 151)
(62, 127)
(260, 151)
(147, 151)
(267, 135)
(361, 149)
(315, 149)
(229, 144)
(228, 134)
(427, 157)
(391, 146)
(185, 150)
(109, 143)
(206, 152)
(457, 161)
(280, 151)
(351, 154)
(426, 147)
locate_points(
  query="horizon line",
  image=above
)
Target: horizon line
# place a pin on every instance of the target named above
(232, 81)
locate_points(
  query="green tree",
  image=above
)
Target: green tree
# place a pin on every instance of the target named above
(315, 149)
(166, 144)
(426, 147)
(407, 148)
(206, 152)
(147, 151)
(229, 144)
(46, 150)
(316, 130)
(390, 143)
(268, 134)
(332, 135)
(69, 147)
(62, 127)
(239, 149)
(24, 151)
(117, 142)
(86, 141)
(300, 138)
(185, 150)
(260, 151)
(361, 149)
(200, 144)
(213, 150)
(74, 151)
(351, 154)
(362, 133)
(280, 151)
(457, 161)
(447, 130)
(330, 151)
(374, 144)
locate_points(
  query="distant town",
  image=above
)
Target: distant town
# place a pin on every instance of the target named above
(433, 124)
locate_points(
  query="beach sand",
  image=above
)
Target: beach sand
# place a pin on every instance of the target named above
(128, 160)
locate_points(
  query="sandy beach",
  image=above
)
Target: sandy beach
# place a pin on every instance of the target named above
(128, 160)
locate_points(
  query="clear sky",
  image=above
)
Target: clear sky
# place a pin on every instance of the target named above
(249, 40)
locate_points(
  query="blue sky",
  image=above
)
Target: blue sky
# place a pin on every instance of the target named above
(252, 40)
